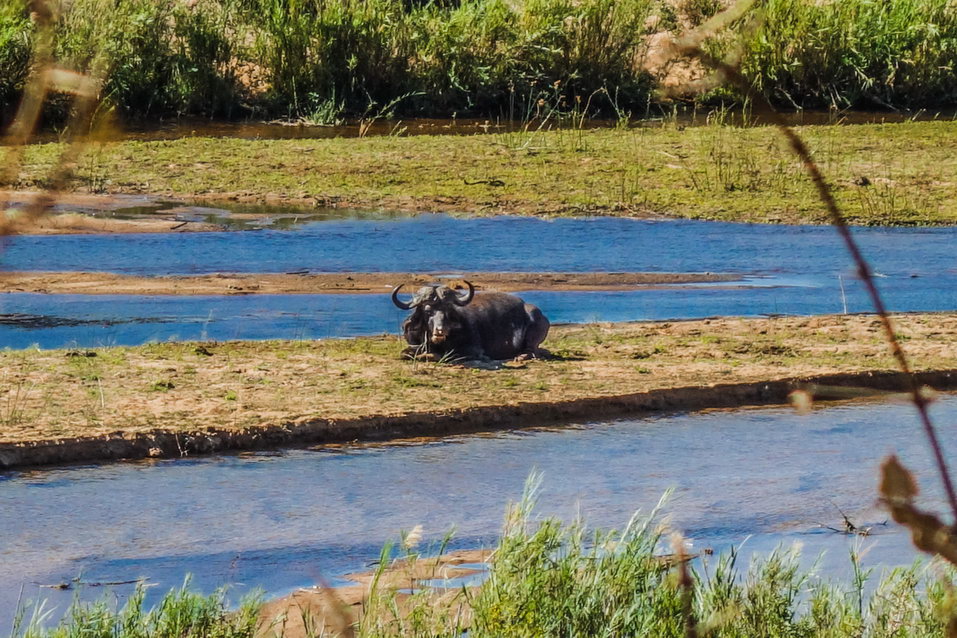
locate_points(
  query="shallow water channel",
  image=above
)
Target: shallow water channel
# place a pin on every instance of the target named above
(783, 269)
(755, 478)
(194, 127)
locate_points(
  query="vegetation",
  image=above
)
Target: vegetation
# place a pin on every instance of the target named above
(896, 54)
(882, 174)
(321, 60)
(179, 614)
(546, 578)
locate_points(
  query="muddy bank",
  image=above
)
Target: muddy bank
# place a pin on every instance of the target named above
(160, 444)
(91, 283)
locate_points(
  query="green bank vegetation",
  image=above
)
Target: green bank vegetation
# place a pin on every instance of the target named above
(181, 613)
(322, 60)
(546, 578)
(882, 173)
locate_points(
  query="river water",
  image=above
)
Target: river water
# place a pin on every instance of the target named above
(782, 269)
(756, 478)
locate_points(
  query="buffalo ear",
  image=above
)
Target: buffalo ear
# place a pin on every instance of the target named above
(401, 304)
(466, 298)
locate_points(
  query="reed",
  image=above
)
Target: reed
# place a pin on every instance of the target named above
(853, 53)
(14, 53)
(161, 58)
(322, 60)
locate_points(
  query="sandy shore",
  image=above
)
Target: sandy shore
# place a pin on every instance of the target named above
(171, 399)
(91, 283)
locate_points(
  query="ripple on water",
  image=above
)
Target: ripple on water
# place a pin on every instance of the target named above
(757, 477)
(786, 270)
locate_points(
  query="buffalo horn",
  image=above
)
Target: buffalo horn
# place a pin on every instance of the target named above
(401, 304)
(464, 299)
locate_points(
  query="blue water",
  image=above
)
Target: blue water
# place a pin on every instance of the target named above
(53, 321)
(755, 478)
(783, 269)
(438, 242)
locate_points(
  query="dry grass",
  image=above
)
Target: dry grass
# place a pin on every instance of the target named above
(177, 387)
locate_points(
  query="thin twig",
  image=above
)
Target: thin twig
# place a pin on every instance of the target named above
(691, 46)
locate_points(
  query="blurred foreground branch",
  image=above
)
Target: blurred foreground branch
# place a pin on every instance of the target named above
(46, 77)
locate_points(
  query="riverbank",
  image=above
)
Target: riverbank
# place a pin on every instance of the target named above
(882, 174)
(175, 399)
(305, 283)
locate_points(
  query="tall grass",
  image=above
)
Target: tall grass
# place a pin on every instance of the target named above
(547, 578)
(550, 579)
(161, 58)
(474, 56)
(14, 52)
(853, 53)
(325, 59)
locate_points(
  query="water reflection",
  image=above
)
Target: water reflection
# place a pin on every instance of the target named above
(250, 130)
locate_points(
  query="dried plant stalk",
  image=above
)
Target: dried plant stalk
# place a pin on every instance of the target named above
(690, 45)
(898, 489)
(45, 77)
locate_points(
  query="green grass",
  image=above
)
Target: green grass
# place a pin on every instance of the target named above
(852, 53)
(549, 578)
(319, 60)
(180, 613)
(881, 173)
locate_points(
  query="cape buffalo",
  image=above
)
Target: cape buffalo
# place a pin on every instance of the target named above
(470, 325)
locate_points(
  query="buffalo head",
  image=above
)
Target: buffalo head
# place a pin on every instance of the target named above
(433, 316)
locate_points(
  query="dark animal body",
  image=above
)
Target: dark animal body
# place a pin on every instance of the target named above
(470, 325)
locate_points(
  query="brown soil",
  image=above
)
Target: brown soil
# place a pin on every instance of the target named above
(167, 400)
(338, 608)
(218, 284)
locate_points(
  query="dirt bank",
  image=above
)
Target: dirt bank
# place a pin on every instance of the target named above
(159, 444)
(175, 399)
(91, 283)
(84, 214)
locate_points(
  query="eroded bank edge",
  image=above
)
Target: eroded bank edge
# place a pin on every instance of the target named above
(317, 431)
